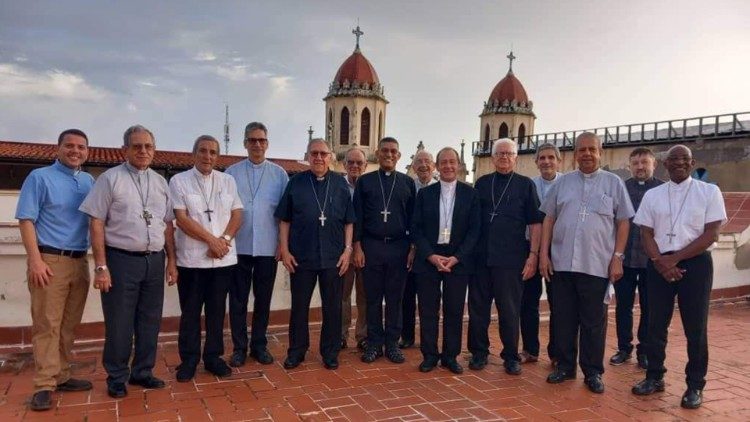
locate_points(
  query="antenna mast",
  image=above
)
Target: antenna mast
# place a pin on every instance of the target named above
(226, 129)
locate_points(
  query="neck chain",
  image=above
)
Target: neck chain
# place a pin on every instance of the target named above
(447, 212)
(322, 209)
(499, 201)
(207, 199)
(385, 211)
(583, 213)
(251, 181)
(146, 215)
(672, 223)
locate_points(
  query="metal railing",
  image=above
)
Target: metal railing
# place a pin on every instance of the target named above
(722, 126)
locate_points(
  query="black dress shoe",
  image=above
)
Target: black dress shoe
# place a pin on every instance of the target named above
(149, 382)
(331, 363)
(648, 386)
(262, 356)
(405, 343)
(453, 366)
(477, 362)
(557, 376)
(394, 355)
(594, 383)
(362, 345)
(117, 390)
(512, 367)
(292, 362)
(428, 364)
(219, 368)
(642, 361)
(619, 358)
(238, 359)
(41, 400)
(371, 354)
(73, 384)
(185, 373)
(692, 399)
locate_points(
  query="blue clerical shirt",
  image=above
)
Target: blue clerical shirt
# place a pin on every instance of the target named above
(50, 198)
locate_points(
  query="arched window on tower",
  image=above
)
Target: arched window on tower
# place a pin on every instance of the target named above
(503, 133)
(521, 135)
(486, 137)
(344, 130)
(364, 128)
(380, 126)
(329, 126)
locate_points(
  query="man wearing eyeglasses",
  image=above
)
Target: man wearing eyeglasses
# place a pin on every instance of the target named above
(355, 163)
(260, 184)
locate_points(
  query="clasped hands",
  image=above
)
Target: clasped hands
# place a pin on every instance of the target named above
(444, 264)
(667, 267)
(218, 247)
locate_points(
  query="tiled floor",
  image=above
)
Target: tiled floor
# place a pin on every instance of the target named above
(383, 391)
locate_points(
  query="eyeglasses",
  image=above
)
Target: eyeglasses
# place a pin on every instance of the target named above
(355, 163)
(504, 154)
(321, 154)
(256, 140)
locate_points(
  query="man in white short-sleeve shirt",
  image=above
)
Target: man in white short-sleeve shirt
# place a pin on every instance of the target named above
(679, 222)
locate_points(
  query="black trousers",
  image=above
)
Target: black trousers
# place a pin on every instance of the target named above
(199, 288)
(431, 288)
(625, 295)
(532, 293)
(258, 273)
(409, 307)
(506, 288)
(132, 312)
(331, 290)
(580, 308)
(693, 292)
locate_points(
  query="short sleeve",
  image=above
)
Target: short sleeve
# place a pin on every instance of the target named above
(549, 206)
(30, 199)
(284, 209)
(177, 194)
(98, 201)
(645, 216)
(715, 210)
(232, 188)
(623, 206)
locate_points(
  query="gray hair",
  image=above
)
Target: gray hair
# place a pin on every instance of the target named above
(423, 152)
(317, 141)
(505, 141)
(135, 129)
(202, 138)
(588, 135)
(446, 149)
(680, 146)
(355, 149)
(545, 147)
(255, 125)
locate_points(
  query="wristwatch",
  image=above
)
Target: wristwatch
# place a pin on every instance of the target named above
(100, 268)
(620, 255)
(226, 237)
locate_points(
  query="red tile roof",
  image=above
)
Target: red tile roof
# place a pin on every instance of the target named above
(509, 88)
(42, 153)
(357, 69)
(738, 212)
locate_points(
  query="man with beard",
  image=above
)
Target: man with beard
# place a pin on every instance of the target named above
(383, 204)
(642, 165)
(679, 222)
(315, 241)
(355, 162)
(585, 231)
(423, 166)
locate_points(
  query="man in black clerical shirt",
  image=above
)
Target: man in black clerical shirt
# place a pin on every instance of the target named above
(383, 204)
(315, 233)
(445, 231)
(505, 258)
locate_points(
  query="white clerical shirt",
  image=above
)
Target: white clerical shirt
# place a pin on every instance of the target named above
(447, 204)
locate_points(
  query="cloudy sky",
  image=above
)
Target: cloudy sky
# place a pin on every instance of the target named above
(102, 66)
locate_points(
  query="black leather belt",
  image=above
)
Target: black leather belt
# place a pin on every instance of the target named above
(133, 253)
(387, 240)
(54, 251)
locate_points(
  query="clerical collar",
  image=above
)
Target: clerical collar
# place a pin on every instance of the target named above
(132, 169)
(65, 169)
(198, 172)
(545, 181)
(387, 173)
(643, 182)
(319, 178)
(448, 185)
(257, 166)
(503, 175)
(592, 174)
(684, 184)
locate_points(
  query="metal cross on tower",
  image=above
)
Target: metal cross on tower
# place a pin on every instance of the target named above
(511, 57)
(357, 33)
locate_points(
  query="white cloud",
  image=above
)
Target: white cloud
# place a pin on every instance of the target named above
(132, 107)
(205, 56)
(239, 73)
(16, 81)
(21, 59)
(280, 84)
(147, 83)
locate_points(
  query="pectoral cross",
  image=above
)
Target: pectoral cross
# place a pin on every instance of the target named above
(209, 211)
(147, 216)
(671, 235)
(583, 214)
(446, 234)
(322, 219)
(385, 213)
(493, 214)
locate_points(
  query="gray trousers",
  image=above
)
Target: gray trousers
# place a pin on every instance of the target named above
(132, 312)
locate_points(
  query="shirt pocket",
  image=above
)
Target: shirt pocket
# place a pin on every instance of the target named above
(605, 206)
(195, 205)
(696, 219)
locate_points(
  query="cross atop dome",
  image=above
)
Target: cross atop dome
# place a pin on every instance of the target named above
(510, 57)
(357, 33)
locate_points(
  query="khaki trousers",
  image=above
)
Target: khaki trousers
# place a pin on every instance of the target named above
(55, 312)
(353, 279)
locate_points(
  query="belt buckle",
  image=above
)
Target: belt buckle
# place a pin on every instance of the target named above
(387, 239)
(67, 253)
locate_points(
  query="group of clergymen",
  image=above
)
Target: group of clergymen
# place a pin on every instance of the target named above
(390, 236)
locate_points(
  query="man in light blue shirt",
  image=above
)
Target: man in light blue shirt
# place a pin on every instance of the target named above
(260, 184)
(55, 236)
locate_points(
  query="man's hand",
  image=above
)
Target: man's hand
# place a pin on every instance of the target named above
(359, 256)
(438, 261)
(530, 267)
(410, 258)
(288, 260)
(665, 263)
(615, 269)
(171, 273)
(545, 266)
(217, 247)
(343, 263)
(278, 253)
(39, 273)
(103, 281)
(449, 263)
(673, 274)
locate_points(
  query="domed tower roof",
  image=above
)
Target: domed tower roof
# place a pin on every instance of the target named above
(509, 95)
(356, 76)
